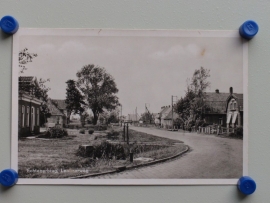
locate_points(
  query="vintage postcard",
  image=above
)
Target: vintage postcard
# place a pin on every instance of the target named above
(129, 107)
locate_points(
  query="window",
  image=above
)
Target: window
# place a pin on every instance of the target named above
(23, 115)
(27, 117)
(234, 105)
(37, 116)
(32, 118)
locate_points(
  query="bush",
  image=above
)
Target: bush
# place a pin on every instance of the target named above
(100, 127)
(82, 131)
(239, 131)
(54, 132)
(91, 131)
(104, 150)
(112, 134)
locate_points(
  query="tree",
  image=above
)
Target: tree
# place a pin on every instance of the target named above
(98, 89)
(24, 58)
(190, 108)
(74, 99)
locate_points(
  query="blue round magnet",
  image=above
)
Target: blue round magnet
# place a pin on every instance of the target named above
(249, 29)
(9, 24)
(8, 177)
(246, 185)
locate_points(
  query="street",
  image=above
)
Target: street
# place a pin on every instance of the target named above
(209, 157)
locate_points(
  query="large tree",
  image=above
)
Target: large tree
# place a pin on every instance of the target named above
(190, 107)
(98, 89)
(74, 99)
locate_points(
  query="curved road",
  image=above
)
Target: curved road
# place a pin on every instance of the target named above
(209, 157)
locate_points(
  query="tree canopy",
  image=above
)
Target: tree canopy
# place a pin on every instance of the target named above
(24, 58)
(190, 107)
(98, 89)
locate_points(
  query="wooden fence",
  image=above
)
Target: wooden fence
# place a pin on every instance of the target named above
(213, 130)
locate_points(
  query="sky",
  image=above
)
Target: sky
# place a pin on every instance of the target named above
(147, 70)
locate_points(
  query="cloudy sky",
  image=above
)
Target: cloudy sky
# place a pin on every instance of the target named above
(146, 69)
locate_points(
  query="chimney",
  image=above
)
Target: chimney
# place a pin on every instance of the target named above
(231, 90)
(217, 91)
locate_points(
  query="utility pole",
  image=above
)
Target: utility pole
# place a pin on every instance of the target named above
(172, 110)
(121, 115)
(136, 114)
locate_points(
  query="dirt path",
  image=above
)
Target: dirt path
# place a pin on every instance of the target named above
(209, 157)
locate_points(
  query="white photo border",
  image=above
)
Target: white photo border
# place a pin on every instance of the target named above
(111, 32)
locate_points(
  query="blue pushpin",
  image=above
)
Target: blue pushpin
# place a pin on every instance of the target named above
(246, 185)
(8, 177)
(9, 24)
(249, 29)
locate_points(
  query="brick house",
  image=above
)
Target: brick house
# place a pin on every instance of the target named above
(29, 106)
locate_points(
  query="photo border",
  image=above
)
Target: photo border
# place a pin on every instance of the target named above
(112, 32)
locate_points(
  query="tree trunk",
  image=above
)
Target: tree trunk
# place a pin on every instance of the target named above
(95, 118)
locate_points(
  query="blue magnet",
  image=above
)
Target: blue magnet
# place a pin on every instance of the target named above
(9, 24)
(246, 185)
(8, 177)
(249, 29)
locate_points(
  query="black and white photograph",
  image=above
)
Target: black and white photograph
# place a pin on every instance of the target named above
(129, 107)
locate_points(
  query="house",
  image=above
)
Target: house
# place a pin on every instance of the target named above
(225, 109)
(168, 119)
(58, 113)
(29, 106)
(165, 110)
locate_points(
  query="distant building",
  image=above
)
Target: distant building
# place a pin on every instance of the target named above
(58, 113)
(225, 109)
(165, 110)
(29, 106)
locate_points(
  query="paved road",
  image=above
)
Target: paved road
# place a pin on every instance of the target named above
(209, 157)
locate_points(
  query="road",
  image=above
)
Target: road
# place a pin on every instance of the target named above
(209, 157)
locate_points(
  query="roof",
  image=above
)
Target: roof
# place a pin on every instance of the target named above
(169, 116)
(53, 109)
(27, 82)
(60, 103)
(217, 102)
(165, 111)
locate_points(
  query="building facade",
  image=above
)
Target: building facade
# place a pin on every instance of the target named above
(29, 107)
(224, 109)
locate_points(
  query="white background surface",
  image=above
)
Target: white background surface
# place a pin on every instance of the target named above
(152, 14)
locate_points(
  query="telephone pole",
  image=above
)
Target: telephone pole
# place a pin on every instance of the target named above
(172, 109)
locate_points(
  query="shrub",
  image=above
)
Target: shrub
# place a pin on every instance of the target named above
(54, 132)
(100, 127)
(82, 131)
(112, 134)
(91, 131)
(104, 150)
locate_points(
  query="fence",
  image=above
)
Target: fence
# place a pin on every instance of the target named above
(213, 130)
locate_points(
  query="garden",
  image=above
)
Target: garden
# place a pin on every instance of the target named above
(72, 152)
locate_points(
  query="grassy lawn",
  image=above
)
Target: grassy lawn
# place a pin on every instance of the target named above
(57, 158)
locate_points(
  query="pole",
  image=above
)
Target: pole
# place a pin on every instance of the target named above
(124, 132)
(121, 115)
(172, 112)
(127, 135)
